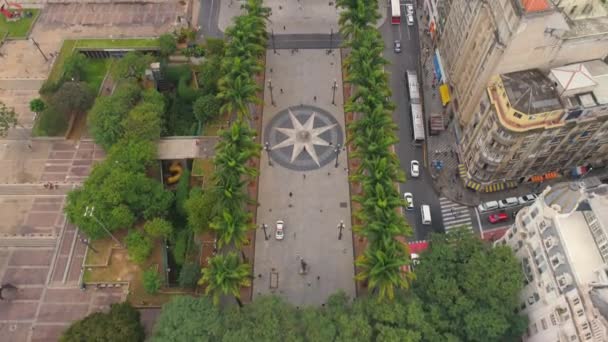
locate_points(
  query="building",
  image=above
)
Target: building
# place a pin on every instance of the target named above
(562, 243)
(477, 39)
(529, 127)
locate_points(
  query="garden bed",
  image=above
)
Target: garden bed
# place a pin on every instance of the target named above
(18, 29)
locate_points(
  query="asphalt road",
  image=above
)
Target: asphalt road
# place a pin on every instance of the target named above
(421, 187)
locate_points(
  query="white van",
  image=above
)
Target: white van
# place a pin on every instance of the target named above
(483, 207)
(425, 211)
(508, 202)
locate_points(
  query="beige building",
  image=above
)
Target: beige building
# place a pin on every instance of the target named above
(478, 39)
(532, 127)
(562, 243)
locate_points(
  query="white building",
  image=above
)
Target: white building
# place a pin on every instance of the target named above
(562, 242)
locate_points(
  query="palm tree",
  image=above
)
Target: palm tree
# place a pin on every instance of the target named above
(231, 228)
(237, 93)
(382, 269)
(225, 275)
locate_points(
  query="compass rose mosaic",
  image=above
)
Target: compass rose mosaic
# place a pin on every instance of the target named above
(303, 138)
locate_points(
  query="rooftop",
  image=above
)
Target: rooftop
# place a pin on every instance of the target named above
(530, 92)
(573, 76)
(531, 6)
(563, 197)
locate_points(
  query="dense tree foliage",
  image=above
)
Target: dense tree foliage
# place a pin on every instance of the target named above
(372, 135)
(139, 246)
(74, 67)
(206, 108)
(119, 325)
(167, 44)
(188, 319)
(225, 275)
(471, 290)
(189, 275)
(37, 105)
(158, 228)
(52, 121)
(200, 209)
(151, 280)
(73, 98)
(131, 66)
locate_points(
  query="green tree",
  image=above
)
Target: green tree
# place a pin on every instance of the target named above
(199, 209)
(470, 289)
(120, 324)
(206, 108)
(37, 105)
(143, 122)
(131, 66)
(187, 318)
(225, 275)
(8, 119)
(158, 228)
(133, 155)
(52, 122)
(181, 193)
(215, 47)
(74, 67)
(210, 72)
(167, 44)
(139, 246)
(151, 281)
(189, 275)
(73, 98)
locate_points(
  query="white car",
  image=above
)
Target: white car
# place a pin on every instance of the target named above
(409, 200)
(488, 206)
(526, 198)
(410, 19)
(409, 9)
(415, 168)
(279, 234)
(508, 202)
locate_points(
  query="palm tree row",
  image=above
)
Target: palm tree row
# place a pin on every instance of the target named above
(372, 136)
(238, 90)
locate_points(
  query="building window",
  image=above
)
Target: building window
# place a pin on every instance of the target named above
(517, 115)
(576, 301)
(580, 312)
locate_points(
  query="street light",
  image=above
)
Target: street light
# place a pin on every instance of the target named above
(270, 87)
(88, 212)
(264, 228)
(340, 227)
(333, 88)
(337, 152)
(273, 44)
(267, 149)
(331, 40)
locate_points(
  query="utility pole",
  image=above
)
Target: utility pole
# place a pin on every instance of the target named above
(267, 149)
(333, 96)
(337, 151)
(264, 228)
(340, 228)
(88, 212)
(270, 87)
(39, 49)
(274, 48)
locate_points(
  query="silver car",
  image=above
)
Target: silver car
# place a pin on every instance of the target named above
(409, 200)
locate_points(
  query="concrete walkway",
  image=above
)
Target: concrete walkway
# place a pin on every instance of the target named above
(311, 203)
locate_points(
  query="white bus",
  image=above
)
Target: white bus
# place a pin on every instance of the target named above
(417, 123)
(412, 86)
(395, 12)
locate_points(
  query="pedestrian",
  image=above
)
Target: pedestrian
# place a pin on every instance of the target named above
(271, 70)
(315, 98)
(318, 277)
(303, 176)
(284, 27)
(281, 90)
(309, 283)
(290, 194)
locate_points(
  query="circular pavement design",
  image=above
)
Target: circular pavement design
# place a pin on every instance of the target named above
(303, 138)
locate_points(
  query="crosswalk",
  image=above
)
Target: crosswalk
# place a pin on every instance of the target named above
(454, 214)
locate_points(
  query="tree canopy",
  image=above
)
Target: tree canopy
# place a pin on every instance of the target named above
(120, 324)
(139, 246)
(73, 98)
(158, 228)
(131, 66)
(8, 119)
(469, 289)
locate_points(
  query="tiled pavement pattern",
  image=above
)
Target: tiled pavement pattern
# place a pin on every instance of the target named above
(71, 163)
(454, 215)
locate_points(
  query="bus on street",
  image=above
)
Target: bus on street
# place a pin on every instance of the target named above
(395, 12)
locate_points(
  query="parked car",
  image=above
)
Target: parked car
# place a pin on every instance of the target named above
(397, 46)
(498, 217)
(487, 206)
(508, 202)
(280, 233)
(526, 198)
(414, 168)
(409, 200)
(410, 20)
(409, 8)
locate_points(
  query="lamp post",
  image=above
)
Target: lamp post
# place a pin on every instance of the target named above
(333, 88)
(88, 212)
(267, 149)
(331, 40)
(46, 59)
(340, 228)
(274, 48)
(270, 87)
(337, 152)
(264, 228)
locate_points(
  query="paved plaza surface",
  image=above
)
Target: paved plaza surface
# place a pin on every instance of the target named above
(303, 187)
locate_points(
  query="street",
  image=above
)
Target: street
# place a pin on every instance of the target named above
(421, 187)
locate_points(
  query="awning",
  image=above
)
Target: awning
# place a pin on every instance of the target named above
(537, 179)
(473, 185)
(551, 175)
(444, 91)
(462, 171)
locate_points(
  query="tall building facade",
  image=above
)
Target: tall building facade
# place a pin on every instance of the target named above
(530, 127)
(562, 243)
(477, 39)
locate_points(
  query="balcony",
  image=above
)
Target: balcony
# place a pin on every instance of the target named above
(490, 158)
(503, 139)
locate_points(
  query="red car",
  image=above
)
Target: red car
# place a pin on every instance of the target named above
(500, 217)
